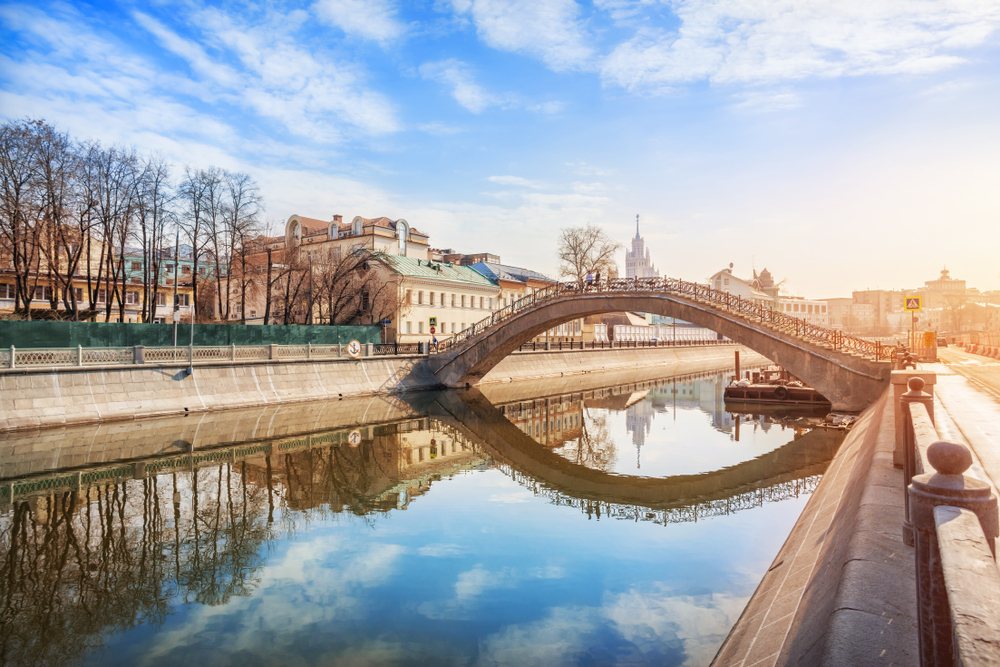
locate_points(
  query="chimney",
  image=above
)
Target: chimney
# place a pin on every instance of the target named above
(338, 219)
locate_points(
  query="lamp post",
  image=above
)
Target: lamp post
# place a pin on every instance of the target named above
(177, 305)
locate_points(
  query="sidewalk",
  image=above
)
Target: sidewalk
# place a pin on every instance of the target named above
(967, 407)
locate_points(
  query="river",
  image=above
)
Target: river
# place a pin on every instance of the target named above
(524, 525)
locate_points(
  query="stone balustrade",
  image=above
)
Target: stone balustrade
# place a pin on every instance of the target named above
(952, 522)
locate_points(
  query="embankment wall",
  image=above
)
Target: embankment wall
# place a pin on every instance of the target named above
(41, 397)
(840, 590)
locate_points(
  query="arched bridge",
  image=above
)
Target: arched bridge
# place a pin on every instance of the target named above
(851, 372)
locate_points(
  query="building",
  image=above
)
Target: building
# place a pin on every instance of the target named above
(447, 297)
(637, 262)
(762, 289)
(516, 283)
(78, 285)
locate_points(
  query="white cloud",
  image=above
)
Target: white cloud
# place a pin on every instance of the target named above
(767, 100)
(726, 42)
(464, 89)
(547, 29)
(441, 550)
(372, 19)
(516, 181)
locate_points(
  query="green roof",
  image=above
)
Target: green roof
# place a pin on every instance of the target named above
(422, 268)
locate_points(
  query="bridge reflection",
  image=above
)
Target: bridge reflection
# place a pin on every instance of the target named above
(112, 546)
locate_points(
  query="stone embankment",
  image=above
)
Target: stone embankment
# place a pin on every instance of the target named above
(38, 397)
(841, 589)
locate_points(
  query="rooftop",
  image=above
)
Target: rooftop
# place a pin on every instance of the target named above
(515, 274)
(421, 268)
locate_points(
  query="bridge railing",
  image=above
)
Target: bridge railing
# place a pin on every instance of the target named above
(755, 310)
(951, 521)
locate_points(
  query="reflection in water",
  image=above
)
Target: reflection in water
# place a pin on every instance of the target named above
(308, 549)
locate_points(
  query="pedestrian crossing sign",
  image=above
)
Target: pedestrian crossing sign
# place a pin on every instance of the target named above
(913, 304)
(433, 321)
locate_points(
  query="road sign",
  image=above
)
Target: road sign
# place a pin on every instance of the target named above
(354, 349)
(386, 322)
(913, 304)
(434, 322)
(432, 329)
(354, 438)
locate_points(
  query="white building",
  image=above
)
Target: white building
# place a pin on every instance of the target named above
(762, 288)
(637, 262)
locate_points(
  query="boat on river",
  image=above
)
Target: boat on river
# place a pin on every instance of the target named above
(773, 386)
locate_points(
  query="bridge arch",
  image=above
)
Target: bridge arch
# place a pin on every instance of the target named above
(850, 380)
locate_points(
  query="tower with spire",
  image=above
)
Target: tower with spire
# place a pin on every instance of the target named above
(637, 262)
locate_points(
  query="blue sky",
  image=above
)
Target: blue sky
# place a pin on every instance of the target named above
(813, 138)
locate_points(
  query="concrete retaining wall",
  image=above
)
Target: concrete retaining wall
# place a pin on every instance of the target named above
(35, 398)
(532, 365)
(841, 589)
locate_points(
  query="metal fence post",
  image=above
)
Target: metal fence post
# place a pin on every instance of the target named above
(949, 487)
(191, 354)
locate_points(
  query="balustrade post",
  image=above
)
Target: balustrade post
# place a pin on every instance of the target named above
(232, 352)
(138, 356)
(949, 487)
(309, 350)
(11, 356)
(191, 354)
(79, 355)
(904, 380)
(272, 351)
(908, 444)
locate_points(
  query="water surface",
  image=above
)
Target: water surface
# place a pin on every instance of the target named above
(447, 536)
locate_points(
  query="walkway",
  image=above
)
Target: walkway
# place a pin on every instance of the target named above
(968, 393)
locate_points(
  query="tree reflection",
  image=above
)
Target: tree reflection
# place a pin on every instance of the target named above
(595, 447)
(79, 566)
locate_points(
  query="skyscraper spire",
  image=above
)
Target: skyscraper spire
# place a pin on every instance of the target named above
(637, 225)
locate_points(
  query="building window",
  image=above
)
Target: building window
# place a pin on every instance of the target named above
(102, 296)
(186, 270)
(420, 326)
(161, 299)
(442, 299)
(810, 309)
(824, 308)
(463, 306)
(409, 326)
(420, 299)
(432, 298)
(137, 266)
(201, 270)
(168, 268)
(131, 297)
(409, 297)
(491, 304)
(78, 294)
(183, 299)
(480, 303)
(453, 327)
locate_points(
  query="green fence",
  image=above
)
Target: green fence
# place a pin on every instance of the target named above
(115, 334)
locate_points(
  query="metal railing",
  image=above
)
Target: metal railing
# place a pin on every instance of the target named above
(952, 523)
(27, 358)
(724, 301)
(536, 346)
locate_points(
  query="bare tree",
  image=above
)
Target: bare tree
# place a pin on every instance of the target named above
(586, 249)
(242, 224)
(20, 206)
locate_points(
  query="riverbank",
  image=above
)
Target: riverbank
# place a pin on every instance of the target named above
(43, 397)
(841, 589)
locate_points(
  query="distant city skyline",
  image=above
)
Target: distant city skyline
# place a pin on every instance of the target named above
(844, 146)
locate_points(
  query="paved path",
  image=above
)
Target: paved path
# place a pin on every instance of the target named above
(968, 390)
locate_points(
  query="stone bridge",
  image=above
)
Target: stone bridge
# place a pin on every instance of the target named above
(471, 414)
(851, 372)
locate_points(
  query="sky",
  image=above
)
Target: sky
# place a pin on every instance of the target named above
(843, 145)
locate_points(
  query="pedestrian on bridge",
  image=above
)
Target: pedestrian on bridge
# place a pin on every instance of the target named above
(590, 279)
